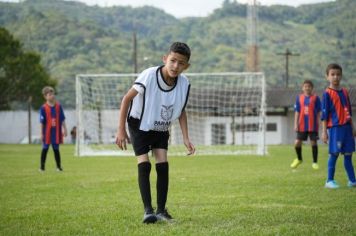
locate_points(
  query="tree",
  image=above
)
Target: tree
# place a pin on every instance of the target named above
(21, 74)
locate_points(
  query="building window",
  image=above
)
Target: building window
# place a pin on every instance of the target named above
(250, 127)
(218, 134)
(272, 127)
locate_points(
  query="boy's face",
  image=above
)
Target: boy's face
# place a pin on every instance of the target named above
(334, 77)
(307, 89)
(175, 63)
(50, 97)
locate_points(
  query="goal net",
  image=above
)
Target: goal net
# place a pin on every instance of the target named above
(226, 114)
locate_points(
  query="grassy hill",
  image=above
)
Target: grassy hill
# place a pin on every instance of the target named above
(75, 38)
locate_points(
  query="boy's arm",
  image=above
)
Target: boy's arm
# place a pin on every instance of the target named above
(41, 132)
(324, 133)
(296, 118)
(296, 113)
(64, 128)
(318, 117)
(353, 128)
(352, 123)
(122, 136)
(324, 117)
(184, 127)
(42, 122)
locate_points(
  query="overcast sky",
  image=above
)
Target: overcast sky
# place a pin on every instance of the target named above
(183, 8)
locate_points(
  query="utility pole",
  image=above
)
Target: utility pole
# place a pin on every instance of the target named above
(29, 101)
(134, 55)
(287, 54)
(252, 57)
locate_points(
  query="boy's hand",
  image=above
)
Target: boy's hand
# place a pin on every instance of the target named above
(189, 146)
(121, 139)
(324, 137)
(354, 132)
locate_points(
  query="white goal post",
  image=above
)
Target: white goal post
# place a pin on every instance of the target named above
(226, 114)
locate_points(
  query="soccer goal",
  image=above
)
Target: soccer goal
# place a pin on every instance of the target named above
(226, 114)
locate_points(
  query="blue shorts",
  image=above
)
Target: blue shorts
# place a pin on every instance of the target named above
(341, 139)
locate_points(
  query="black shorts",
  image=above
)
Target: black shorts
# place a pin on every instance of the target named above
(304, 136)
(144, 141)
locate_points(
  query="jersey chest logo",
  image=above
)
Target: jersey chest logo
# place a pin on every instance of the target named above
(166, 112)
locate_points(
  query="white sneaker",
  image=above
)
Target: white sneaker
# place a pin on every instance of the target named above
(331, 184)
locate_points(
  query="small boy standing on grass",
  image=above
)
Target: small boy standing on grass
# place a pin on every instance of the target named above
(306, 123)
(53, 127)
(336, 118)
(157, 98)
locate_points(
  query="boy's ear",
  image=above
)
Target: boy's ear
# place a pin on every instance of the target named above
(164, 58)
(187, 66)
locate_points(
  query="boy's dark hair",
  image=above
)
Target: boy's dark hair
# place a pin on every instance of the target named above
(333, 66)
(180, 48)
(308, 81)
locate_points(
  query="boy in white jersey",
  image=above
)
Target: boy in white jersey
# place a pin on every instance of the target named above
(157, 98)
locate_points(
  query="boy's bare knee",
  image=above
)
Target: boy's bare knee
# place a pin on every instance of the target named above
(142, 158)
(160, 155)
(298, 143)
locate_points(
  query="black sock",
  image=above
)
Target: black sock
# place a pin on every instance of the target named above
(315, 153)
(162, 170)
(144, 170)
(43, 157)
(298, 150)
(57, 157)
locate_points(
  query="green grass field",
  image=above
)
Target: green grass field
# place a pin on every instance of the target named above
(214, 195)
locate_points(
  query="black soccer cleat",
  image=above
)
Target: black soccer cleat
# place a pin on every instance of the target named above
(164, 216)
(149, 217)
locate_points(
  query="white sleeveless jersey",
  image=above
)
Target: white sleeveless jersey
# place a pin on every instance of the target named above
(157, 104)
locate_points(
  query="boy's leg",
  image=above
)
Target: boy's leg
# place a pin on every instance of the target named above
(331, 166)
(349, 148)
(162, 169)
(349, 167)
(57, 156)
(44, 156)
(144, 170)
(314, 146)
(298, 149)
(334, 150)
(315, 152)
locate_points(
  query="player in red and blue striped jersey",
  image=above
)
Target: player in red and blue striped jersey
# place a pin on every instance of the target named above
(53, 127)
(336, 118)
(306, 122)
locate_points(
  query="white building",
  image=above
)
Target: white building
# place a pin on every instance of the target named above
(217, 130)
